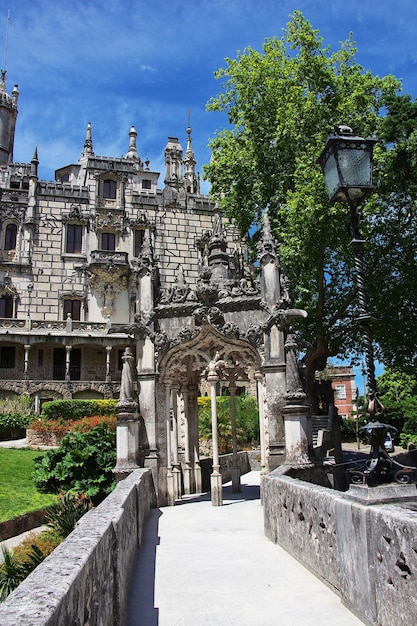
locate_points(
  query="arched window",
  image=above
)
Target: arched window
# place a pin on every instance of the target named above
(10, 237)
(109, 189)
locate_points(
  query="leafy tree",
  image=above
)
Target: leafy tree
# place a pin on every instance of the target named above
(398, 393)
(281, 104)
(247, 421)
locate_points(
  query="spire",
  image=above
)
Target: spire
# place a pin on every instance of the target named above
(34, 163)
(191, 180)
(132, 153)
(88, 143)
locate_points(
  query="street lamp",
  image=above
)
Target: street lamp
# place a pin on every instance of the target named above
(346, 162)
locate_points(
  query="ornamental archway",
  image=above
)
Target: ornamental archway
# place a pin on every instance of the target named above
(212, 357)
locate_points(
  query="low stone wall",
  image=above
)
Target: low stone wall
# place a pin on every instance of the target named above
(22, 523)
(225, 461)
(85, 580)
(366, 551)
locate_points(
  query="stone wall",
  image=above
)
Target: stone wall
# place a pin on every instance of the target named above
(226, 461)
(85, 581)
(366, 551)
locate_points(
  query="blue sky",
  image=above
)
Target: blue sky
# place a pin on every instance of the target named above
(122, 62)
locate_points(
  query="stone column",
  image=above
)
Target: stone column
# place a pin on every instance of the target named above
(27, 349)
(192, 417)
(170, 476)
(262, 437)
(187, 459)
(108, 353)
(67, 362)
(235, 464)
(296, 410)
(127, 427)
(176, 465)
(216, 477)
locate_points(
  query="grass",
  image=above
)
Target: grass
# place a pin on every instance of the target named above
(18, 494)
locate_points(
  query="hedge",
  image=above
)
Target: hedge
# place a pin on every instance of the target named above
(77, 409)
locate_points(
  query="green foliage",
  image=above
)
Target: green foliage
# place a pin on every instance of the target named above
(82, 463)
(12, 572)
(398, 394)
(13, 421)
(16, 405)
(247, 421)
(281, 104)
(63, 426)
(76, 409)
(348, 429)
(63, 515)
(15, 415)
(22, 560)
(18, 494)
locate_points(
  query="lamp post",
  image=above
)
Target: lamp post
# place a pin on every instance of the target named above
(346, 162)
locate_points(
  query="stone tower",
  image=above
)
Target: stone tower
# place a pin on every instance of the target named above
(8, 116)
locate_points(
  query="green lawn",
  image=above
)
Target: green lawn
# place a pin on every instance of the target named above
(18, 493)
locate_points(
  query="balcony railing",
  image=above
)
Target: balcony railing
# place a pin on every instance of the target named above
(56, 373)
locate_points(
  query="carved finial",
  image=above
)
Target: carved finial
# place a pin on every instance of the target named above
(88, 143)
(132, 153)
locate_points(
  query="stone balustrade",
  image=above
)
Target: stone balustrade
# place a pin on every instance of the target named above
(85, 580)
(361, 544)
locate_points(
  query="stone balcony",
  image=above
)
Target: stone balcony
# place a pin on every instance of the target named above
(109, 262)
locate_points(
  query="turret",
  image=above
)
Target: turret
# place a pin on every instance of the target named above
(173, 163)
(8, 115)
(132, 153)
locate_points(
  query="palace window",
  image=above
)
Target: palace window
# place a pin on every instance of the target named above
(10, 237)
(146, 183)
(6, 306)
(74, 239)
(139, 235)
(108, 241)
(109, 189)
(73, 307)
(7, 357)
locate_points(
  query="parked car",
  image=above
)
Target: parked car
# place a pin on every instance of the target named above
(389, 443)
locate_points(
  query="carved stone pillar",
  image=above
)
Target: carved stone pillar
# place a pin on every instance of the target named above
(235, 463)
(108, 353)
(175, 464)
(68, 362)
(216, 477)
(170, 476)
(187, 457)
(296, 410)
(127, 427)
(27, 349)
(262, 436)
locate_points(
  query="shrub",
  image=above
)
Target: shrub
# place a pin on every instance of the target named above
(65, 513)
(64, 426)
(348, 428)
(247, 421)
(82, 463)
(77, 409)
(20, 562)
(14, 416)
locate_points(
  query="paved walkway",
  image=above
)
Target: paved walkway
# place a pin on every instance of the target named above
(201, 565)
